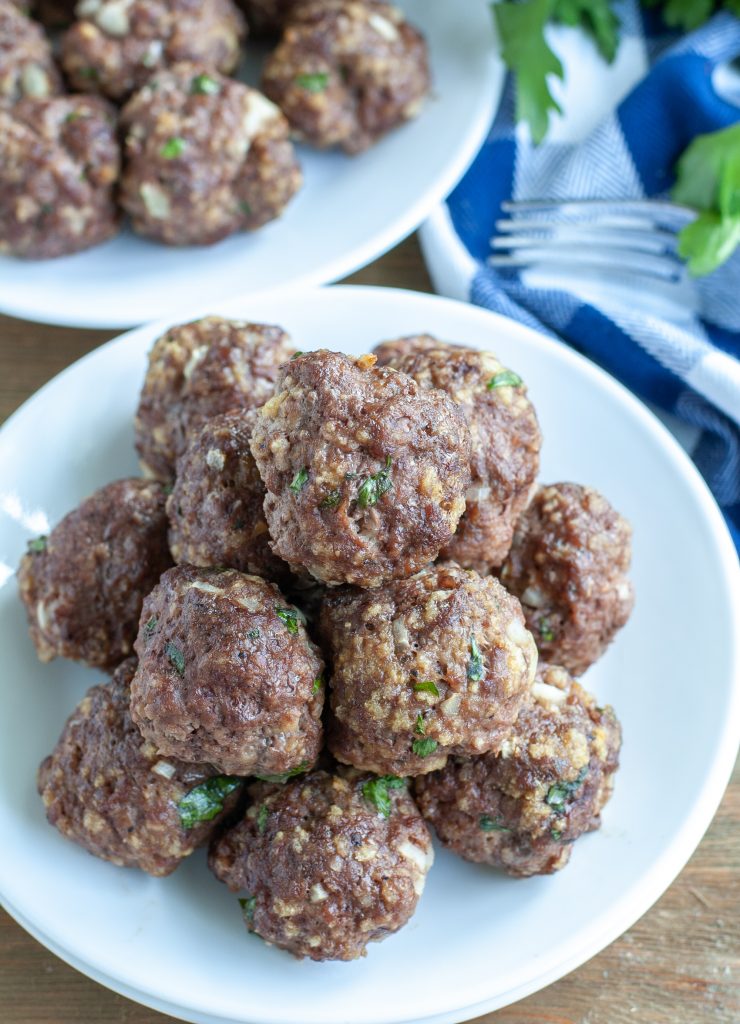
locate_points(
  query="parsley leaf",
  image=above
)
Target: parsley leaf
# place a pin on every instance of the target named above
(488, 824)
(521, 29)
(291, 617)
(253, 634)
(505, 379)
(684, 14)
(262, 815)
(299, 481)
(596, 18)
(419, 724)
(546, 631)
(248, 905)
(38, 544)
(284, 776)
(708, 242)
(150, 625)
(207, 800)
(475, 665)
(316, 82)
(375, 792)
(375, 486)
(317, 684)
(173, 148)
(176, 656)
(204, 85)
(427, 687)
(425, 747)
(559, 792)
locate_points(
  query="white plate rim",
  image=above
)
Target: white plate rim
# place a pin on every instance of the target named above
(653, 882)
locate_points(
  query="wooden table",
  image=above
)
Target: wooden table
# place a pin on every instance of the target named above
(679, 965)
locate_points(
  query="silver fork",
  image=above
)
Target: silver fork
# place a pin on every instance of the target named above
(615, 244)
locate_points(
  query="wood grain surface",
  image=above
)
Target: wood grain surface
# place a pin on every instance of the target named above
(679, 965)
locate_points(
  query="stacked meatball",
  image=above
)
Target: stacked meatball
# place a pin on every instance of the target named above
(201, 155)
(331, 666)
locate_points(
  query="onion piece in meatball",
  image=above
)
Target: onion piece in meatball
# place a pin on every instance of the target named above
(505, 440)
(197, 371)
(345, 73)
(327, 863)
(59, 163)
(522, 809)
(27, 67)
(568, 566)
(227, 674)
(423, 668)
(365, 471)
(110, 791)
(204, 157)
(114, 47)
(215, 509)
(83, 586)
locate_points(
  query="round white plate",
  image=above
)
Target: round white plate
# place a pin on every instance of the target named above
(479, 940)
(350, 209)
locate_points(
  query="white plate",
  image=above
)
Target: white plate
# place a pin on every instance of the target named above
(350, 209)
(479, 940)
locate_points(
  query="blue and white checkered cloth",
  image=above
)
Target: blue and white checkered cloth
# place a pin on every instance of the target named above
(691, 368)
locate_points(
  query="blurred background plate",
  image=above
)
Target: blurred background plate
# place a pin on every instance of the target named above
(350, 209)
(479, 940)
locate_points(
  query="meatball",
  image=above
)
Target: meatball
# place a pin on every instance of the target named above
(197, 371)
(83, 586)
(59, 161)
(114, 47)
(424, 668)
(389, 353)
(329, 862)
(26, 65)
(227, 674)
(205, 157)
(109, 790)
(365, 471)
(505, 438)
(215, 509)
(345, 73)
(522, 809)
(568, 566)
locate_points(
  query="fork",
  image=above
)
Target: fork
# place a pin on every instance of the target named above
(607, 242)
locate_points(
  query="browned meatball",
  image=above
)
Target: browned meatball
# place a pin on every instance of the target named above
(204, 157)
(116, 45)
(505, 439)
(522, 809)
(109, 790)
(83, 585)
(427, 667)
(389, 353)
(365, 471)
(327, 863)
(197, 371)
(26, 65)
(568, 566)
(215, 509)
(227, 674)
(59, 161)
(345, 73)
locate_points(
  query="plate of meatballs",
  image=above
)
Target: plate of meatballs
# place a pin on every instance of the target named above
(159, 153)
(367, 657)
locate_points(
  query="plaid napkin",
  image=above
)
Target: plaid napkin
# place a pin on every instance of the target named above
(688, 367)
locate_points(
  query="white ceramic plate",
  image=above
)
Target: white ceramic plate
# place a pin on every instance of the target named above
(350, 209)
(479, 940)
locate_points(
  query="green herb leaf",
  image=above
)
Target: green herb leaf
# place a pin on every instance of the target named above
(284, 776)
(683, 14)
(318, 684)
(488, 824)
(708, 242)
(245, 208)
(73, 115)
(332, 499)
(427, 687)
(262, 815)
(554, 834)
(521, 29)
(316, 82)
(173, 148)
(90, 73)
(475, 665)
(38, 544)
(707, 173)
(207, 800)
(596, 18)
(376, 792)
(291, 617)
(375, 486)
(425, 747)
(559, 792)
(248, 905)
(505, 379)
(254, 634)
(546, 631)
(419, 724)
(296, 355)
(176, 657)
(299, 481)
(204, 85)
(150, 625)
